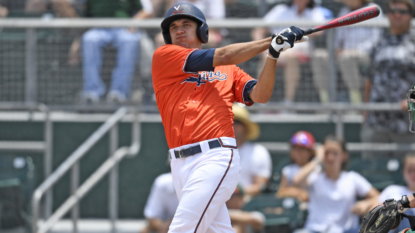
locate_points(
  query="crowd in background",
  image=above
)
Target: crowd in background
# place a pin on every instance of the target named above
(379, 62)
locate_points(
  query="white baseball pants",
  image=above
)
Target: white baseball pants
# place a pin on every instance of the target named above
(203, 183)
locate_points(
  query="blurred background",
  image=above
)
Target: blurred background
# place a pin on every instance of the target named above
(81, 139)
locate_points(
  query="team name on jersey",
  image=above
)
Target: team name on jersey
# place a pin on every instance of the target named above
(205, 76)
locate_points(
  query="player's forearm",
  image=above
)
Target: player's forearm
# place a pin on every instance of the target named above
(240, 52)
(262, 91)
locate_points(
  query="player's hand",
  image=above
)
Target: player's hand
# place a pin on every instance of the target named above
(285, 40)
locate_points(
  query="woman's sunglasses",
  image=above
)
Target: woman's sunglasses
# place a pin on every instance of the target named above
(400, 11)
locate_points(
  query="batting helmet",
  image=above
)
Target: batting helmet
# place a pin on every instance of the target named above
(185, 10)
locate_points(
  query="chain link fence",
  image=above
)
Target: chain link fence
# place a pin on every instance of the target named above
(45, 66)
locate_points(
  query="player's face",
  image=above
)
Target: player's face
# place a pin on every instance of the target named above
(399, 16)
(334, 156)
(183, 33)
(409, 171)
(300, 155)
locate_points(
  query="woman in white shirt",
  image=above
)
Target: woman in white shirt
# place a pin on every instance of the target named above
(334, 192)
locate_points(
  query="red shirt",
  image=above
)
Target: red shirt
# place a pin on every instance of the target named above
(195, 106)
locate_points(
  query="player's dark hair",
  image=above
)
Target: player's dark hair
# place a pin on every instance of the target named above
(342, 144)
(311, 3)
(409, 3)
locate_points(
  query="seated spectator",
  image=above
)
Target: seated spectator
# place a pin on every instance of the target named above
(302, 152)
(126, 40)
(243, 221)
(301, 53)
(333, 192)
(161, 205)
(3, 11)
(397, 191)
(212, 9)
(255, 171)
(353, 46)
(256, 164)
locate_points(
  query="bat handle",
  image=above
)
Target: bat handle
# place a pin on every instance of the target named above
(311, 30)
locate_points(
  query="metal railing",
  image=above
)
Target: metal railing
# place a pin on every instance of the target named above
(72, 163)
(34, 146)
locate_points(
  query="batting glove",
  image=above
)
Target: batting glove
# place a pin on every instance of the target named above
(285, 40)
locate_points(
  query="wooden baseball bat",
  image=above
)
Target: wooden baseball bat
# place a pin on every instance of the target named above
(353, 17)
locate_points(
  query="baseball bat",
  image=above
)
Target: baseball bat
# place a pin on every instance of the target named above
(353, 17)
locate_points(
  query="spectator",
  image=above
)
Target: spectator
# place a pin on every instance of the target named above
(301, 53)
(126, 40)
(212, 9)
(397, 191)
(255, 171)
(161, 205)
(353, 45)
(302, 152)
(3, 11)
(393, 59)
(256, 164)
(334, 192)
(243, 221)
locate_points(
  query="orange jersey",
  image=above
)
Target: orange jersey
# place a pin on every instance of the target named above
(195, 106)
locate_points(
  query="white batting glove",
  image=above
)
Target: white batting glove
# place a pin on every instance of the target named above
(285, 40)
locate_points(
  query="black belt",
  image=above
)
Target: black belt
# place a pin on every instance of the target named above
(183, 153)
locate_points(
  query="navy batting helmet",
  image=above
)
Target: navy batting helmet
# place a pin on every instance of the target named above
(185, 10)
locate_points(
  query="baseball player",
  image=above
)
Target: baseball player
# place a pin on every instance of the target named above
(195, 89)
(388, 216)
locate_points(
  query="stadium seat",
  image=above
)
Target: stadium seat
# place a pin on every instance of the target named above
(380, 171)
(275, 179)
(16, 186)
(283, 214)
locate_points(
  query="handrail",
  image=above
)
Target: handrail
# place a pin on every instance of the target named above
(72, 160)
(351, 147)
(155, 23)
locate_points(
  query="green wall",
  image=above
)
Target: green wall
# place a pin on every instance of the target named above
(138, 173)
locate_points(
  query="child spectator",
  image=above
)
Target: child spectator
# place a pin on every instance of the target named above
(302, 152)
(333, 192)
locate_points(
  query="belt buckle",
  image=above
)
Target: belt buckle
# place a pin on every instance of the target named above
(180, 152)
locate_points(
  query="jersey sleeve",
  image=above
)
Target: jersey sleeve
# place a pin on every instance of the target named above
(241, 85)
(262, 162)
(154, 207)
(200, 60)
(362, 185)
(168, 67)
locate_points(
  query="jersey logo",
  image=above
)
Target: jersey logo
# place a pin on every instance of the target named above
(206, 76)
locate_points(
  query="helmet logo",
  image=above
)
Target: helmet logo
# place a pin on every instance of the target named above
(178, 11)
